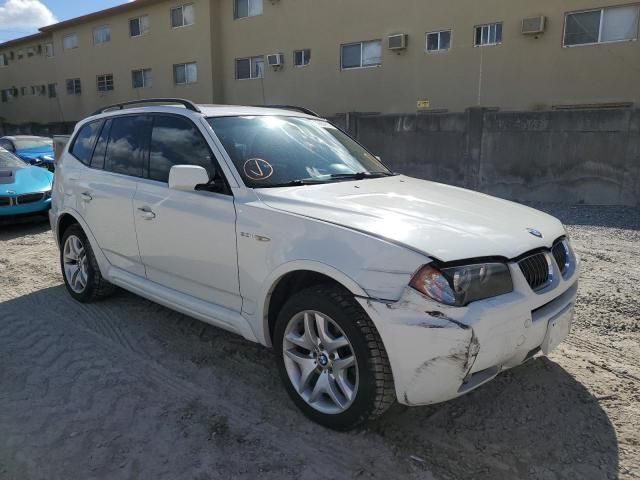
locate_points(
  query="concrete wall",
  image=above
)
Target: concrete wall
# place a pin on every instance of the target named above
(590, 156)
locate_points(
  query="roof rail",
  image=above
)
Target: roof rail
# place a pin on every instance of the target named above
(188, 104)
(292, 107)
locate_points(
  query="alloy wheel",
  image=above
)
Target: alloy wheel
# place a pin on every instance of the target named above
(320, 362)
(75, 264)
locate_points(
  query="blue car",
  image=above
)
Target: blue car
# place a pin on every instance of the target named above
(33, 150)
(24, 189)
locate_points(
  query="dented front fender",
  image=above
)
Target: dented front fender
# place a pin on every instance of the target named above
(430, 354)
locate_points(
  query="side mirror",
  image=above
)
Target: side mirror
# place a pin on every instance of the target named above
(187, 177)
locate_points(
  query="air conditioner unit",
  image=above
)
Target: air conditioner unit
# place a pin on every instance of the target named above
(275, 60)
(398, 42)
(534, 25)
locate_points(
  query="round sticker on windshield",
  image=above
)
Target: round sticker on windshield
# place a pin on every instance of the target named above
(257, 169)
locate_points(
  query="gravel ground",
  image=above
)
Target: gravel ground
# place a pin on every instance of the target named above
(127, 389)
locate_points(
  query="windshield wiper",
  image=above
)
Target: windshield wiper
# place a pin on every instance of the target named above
(362, 175)
(295, 183)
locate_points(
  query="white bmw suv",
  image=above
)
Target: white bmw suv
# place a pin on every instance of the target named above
(371, 286)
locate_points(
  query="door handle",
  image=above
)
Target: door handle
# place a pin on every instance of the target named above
(86, 196)
(146, 213)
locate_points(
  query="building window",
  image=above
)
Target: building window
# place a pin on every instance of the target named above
(251, 67)
(302, 58)
(30, 52)
(73, 86)
(141, 78)
(439, 41)
(487, 35)
(615, 24)
(105, 82)
(52, 90)
(185, 73)
(101, 35)
(20, 54)
(23, 91)
(3, 60)
(48, 50)
(70, 41)
(248, 8)
(361, 54)
(182, 16)
(139, 26)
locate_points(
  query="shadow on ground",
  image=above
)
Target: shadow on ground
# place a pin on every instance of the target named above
(12, 228)
(535, 421)
(123, 374)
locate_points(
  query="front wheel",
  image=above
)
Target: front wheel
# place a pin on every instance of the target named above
(331, 358)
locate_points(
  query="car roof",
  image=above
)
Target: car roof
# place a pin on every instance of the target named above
(206, 111)
(238, 110)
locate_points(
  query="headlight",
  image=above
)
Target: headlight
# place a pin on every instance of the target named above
(459, 286)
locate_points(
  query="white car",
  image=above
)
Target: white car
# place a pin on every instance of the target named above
(272, 223)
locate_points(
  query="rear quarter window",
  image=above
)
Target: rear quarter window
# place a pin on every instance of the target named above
(84, 142)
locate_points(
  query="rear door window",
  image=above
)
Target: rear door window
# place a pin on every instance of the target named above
(127, 147)
(85, 140)
(176, 141)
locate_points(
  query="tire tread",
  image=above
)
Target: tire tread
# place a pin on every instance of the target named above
(385, 395)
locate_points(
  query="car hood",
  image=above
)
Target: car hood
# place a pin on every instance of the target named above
(444, 222)
(16, 181)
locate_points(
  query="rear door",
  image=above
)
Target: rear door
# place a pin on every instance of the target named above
(107, 189)
(187, 240)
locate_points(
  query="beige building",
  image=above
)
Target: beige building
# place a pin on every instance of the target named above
(332, 56)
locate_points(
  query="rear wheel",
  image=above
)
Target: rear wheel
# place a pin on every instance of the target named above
(80, 269)
(331, 358)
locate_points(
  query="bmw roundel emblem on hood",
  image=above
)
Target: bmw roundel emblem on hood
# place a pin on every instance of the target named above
(534, 232)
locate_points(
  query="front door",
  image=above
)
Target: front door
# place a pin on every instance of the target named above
(187, 240)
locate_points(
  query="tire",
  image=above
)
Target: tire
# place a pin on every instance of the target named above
(371, 386)
(87, 285)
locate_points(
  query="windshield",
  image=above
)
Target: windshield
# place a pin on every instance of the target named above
(9, 160)
(274, 151)
(29, 143)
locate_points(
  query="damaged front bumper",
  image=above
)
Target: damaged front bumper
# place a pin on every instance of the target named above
(438, 352)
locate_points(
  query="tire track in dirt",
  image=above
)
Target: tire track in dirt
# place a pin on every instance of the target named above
(37, 337)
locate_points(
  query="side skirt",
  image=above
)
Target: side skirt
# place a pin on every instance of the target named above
(207, 312)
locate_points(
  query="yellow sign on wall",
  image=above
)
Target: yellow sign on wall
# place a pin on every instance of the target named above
(422, 104)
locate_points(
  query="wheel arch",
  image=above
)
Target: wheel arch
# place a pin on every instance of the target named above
(67, 218)
(64, 221)
(292, 278)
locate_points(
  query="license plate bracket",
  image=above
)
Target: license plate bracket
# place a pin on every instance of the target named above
(558, 329)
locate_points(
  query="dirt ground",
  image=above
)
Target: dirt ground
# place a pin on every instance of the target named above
(128, 389)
